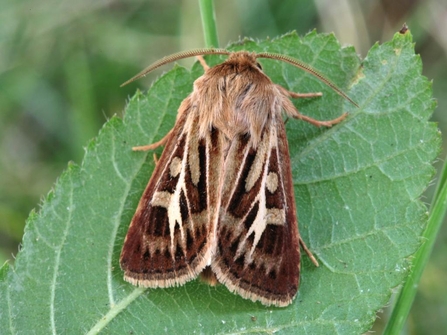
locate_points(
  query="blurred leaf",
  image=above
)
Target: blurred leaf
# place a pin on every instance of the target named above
(357, 187)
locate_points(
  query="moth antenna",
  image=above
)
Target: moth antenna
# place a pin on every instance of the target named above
(299, 64)
(174, 57)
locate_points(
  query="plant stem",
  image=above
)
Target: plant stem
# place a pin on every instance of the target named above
(407, 294)
(209, 23)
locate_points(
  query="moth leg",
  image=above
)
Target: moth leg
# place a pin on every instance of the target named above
(308, 252)
(155, 158)
(317, 123)
(304, 95)
(292, 111)
(203, 63)
(153, 145)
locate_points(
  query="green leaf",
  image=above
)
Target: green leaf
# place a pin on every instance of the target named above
(357, 187)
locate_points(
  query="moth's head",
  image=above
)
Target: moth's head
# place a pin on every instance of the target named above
(240, 62)
(243, 59)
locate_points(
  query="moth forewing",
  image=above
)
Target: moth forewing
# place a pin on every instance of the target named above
(257, 254)
(222, 192)
(171, 235)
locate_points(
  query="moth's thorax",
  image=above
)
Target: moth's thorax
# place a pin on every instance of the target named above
(236, 97)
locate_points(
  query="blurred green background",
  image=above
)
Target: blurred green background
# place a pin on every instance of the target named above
(61, 64)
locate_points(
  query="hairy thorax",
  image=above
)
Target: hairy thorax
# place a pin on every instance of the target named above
(237, 98)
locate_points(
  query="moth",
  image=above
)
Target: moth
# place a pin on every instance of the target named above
(220, 201)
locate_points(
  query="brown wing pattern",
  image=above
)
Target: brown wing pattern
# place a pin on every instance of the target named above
(257, 254)
(172, 233)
